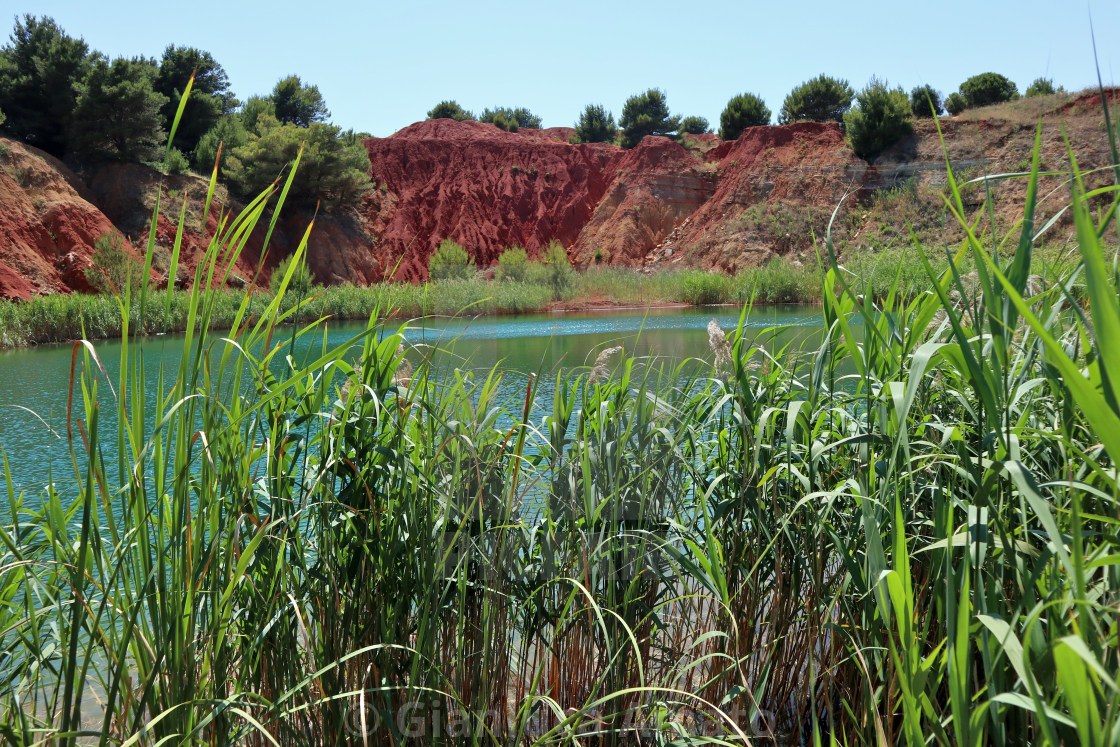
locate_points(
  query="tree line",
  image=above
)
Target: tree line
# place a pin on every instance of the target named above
(77, 104)
(874, 118)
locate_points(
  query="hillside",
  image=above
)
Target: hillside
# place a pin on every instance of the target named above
(663, 204)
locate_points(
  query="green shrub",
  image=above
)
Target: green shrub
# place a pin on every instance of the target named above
(704, 288)
(988, 88)
(450, 110)
(557, 270)
(510, 119)
(955, 104)
(301, 282)
(925, 102)
(176, 162)
(113, 267)
(694, 126)
(1042, 87)
(513, 263)
(450, 261)
(595, 125)
(742, 111)
(334, 168)
(821, 99)
(229, 132)
(880, 118)
(646, 114)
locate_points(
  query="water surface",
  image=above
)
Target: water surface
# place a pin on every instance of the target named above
(34, 381)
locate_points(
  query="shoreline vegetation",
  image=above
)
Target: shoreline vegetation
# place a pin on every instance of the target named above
(905, 533)
(64, 318)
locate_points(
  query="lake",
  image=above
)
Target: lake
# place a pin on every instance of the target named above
(34, 381)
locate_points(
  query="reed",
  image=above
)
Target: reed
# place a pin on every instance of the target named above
(907, 534)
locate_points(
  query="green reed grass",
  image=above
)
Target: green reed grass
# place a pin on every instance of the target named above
(905, 535)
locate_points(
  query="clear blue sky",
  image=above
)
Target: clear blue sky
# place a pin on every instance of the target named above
(381, 65)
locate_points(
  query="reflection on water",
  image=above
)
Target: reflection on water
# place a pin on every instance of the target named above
(34, 381)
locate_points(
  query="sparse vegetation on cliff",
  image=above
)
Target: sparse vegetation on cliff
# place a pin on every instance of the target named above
(742, 111)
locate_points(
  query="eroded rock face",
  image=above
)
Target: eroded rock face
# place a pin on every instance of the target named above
(485, 188)
(48, 224)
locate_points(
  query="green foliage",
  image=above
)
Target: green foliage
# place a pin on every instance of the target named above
(986, 89)
(298, 104)
(176, 163)
(742, 111)
(704, 288)
(955, 104)
(252, 110)
(510, 119)
(229, 132)
(694, 126)
(925, 102)
(820, 99)
(210, 99)
(1042, 87)
(558, 275)
(646, 114)
(40, 69)
(117, 116)
(3, 118)
(450, 261)
(450, 110)
(879, 119)
(333, 170)
(513, 264)
(113, 267)
(299, 285)
(596, 125)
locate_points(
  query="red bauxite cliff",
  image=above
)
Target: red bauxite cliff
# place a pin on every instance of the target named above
(701, 202)
(489, 189)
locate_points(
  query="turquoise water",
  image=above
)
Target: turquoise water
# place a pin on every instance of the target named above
(34, 381)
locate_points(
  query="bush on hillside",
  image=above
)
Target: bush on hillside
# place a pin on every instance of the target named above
(986, 89)
(925, 102)
(879, 119)
(113, 267)
(450, 110)
(229, 132)
(742, 111)
(955, 104)
(450, 261)
(513, 264)
(646, 114)
(820, 99)
(513, 118)
(1042, 87)
(334, 168)
(300, 282)
(595, 125)
(694, 126)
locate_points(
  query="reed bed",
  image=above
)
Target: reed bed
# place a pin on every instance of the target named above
(905, 535)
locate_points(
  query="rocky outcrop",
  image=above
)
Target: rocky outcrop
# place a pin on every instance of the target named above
(48, 224)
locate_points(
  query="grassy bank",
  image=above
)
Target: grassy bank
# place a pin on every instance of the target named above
(905, 535)
(61, 318)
